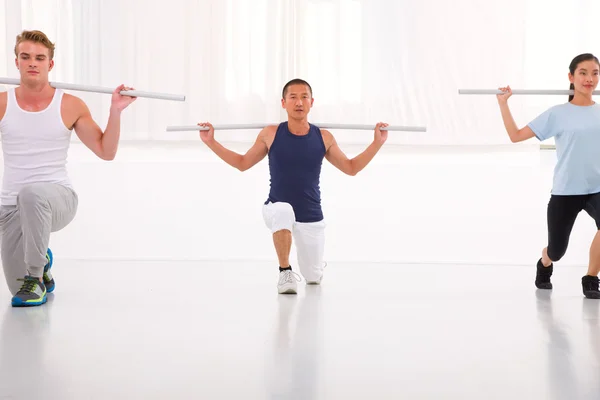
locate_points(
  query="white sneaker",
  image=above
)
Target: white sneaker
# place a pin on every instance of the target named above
(318, 281)
(287, 282)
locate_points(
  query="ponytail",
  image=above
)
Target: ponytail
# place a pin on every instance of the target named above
(571, 87)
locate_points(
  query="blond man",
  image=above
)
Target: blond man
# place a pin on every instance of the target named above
(37, 197)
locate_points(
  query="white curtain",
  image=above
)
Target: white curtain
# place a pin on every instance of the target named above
(400, 61)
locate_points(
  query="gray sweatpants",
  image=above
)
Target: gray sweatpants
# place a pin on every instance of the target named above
(41, 208)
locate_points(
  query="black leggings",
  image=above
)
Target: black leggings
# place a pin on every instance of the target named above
(562, 212)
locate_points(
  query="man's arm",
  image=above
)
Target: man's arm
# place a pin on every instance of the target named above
(253, 156)
(353, 166)
(3, 102)
(103, 144)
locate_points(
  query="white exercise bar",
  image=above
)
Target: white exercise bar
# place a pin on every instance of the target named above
(323, 126)
(565, 92)
(98, 89)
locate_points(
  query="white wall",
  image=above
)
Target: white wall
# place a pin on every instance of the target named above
(471, 205)
(400, 61)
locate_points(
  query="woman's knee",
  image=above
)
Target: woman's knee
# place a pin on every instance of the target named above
(555, 253)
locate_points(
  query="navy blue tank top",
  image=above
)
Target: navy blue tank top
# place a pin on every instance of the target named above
(295, 166)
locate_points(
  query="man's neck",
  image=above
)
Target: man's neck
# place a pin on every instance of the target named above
(298, 127)
(34, 91)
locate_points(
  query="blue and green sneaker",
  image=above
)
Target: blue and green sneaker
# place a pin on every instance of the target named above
(48, 278)
(32, 293)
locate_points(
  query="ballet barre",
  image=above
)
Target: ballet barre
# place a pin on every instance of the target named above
(226, 127)
(99, 89)
(565, 92)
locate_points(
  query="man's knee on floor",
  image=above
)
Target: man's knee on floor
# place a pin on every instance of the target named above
(311, 270)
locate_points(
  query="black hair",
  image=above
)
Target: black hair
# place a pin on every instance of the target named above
(296, 81)
(580, 58)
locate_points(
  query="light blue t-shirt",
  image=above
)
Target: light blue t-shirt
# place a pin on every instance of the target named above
(576, 132)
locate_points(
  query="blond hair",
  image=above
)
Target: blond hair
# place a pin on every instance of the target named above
(36, 37)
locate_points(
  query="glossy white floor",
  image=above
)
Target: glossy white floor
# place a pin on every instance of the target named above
(166, 287)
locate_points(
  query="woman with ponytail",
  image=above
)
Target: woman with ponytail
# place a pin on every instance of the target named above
(575, 127)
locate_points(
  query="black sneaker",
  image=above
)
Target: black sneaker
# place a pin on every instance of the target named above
(542, 277)
(590, 287)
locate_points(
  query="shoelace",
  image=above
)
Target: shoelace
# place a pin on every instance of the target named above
(29, 285)
(287, 277)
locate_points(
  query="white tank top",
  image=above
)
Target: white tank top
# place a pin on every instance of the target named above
(35, 146)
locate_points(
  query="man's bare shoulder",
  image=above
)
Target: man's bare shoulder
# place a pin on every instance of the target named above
(72, 109)
(267, 135)
(328, 138)
(269, 130)
(72, 101)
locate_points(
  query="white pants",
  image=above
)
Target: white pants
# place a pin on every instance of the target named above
(309, 237)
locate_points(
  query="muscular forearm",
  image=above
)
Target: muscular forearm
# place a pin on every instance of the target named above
(230, 157)
(110, 138)
(359, 162)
